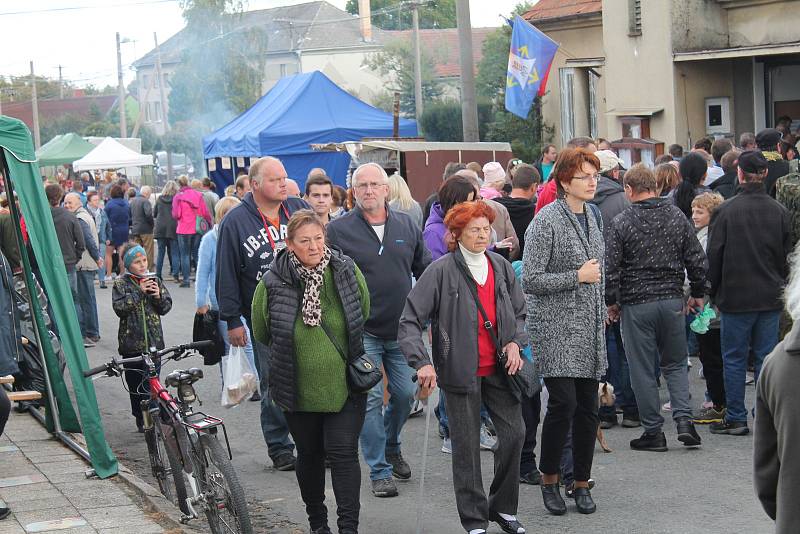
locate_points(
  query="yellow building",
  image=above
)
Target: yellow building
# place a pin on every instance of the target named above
(670, 70)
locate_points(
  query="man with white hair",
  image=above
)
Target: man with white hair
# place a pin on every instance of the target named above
(388, 248)
(142, 222)
(86, 270)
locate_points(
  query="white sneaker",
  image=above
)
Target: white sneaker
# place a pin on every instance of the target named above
(447, 447)
(488, 443)
(667, 407)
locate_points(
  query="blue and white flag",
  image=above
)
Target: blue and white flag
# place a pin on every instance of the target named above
(529, 63)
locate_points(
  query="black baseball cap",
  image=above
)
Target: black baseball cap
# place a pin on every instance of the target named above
(752, 161)
(768, 139)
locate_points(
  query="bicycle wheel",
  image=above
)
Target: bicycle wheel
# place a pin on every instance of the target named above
(166, 467)
(226, 505)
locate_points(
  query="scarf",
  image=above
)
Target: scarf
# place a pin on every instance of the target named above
(772, 155)
(312, 307)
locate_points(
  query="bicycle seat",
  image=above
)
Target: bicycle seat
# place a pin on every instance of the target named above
(179, 377)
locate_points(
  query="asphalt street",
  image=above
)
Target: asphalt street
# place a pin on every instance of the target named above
(707, 490)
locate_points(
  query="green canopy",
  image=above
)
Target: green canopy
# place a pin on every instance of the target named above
(63, 149)
(18, 162)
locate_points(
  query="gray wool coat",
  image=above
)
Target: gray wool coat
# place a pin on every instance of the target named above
(566, 320)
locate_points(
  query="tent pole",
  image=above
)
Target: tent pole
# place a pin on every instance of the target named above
(51, 400)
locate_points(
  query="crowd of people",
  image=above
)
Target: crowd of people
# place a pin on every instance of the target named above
(593, 273)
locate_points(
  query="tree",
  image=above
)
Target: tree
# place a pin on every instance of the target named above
(394, 15)
(441, 121)
(19, 88)
(395, 64)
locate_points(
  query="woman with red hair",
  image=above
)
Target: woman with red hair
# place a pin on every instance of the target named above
(464, 360)
(563, 274)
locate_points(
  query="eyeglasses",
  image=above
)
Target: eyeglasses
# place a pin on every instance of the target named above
(516, 162)
(587, 177)
(363, 186)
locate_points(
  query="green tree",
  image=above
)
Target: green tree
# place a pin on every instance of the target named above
(19, 88)
(441, 121)
(395, 64)
(393, 15)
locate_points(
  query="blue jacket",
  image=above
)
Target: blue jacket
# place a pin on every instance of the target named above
(245, 253)
(387, 266)
(204, 289)
(103, 226)
(119, 217)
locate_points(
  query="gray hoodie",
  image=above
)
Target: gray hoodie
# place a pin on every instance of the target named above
(610, 198)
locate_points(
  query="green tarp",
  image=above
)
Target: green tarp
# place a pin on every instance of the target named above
(19, 160)
(63, 149)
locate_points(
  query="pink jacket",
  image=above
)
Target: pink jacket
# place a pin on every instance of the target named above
(186, 206)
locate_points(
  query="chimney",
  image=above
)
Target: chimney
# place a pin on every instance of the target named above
(365, 17)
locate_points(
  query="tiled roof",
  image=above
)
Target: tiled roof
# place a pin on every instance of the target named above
(442, 45)
(52, 109)
(555, 9)
(308, 26)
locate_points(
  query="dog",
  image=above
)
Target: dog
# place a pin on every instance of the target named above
(605, 394)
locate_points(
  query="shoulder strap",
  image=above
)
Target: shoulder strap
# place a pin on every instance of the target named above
(333, 340)
(487, 324)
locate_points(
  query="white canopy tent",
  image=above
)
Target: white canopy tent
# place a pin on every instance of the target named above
(111, 154)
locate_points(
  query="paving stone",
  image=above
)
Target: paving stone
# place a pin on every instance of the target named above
(149, 528)
(50, 514)
(59, 468)
(75, 525)
(43, 503)
(49, 457)
(8, 448)
(21, 480)
(28, 491)
(41, 446)
(68, 477)
(84, 500)
(115, 516)
(10, 526)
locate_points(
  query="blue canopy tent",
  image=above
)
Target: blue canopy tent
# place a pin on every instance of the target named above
(300, 110)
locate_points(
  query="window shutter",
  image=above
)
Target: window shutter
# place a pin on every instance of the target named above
(634, 17)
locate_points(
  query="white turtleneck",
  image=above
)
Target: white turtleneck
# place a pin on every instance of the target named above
(477, 263)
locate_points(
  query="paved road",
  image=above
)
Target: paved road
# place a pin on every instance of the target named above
(696, 491)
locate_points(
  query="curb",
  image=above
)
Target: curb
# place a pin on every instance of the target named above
(164, 512)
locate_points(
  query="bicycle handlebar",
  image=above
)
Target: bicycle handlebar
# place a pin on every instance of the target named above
(177, 349)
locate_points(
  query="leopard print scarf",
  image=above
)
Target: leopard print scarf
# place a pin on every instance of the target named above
(312, 307)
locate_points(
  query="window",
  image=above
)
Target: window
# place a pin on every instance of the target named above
(147, 113)
(166, 80)
(145, 81)
(283, 69)
(566, 77)
(634, 17)
(155, 111)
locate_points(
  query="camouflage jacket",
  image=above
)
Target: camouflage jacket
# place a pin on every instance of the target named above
(139, 316)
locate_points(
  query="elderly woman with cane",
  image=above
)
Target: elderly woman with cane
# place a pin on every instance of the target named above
(466, 360)
(309, 309)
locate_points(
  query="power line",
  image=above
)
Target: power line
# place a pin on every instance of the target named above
(81, 8)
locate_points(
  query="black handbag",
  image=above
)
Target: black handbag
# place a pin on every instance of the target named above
(205, 329)
(362, 373)
(525, 383)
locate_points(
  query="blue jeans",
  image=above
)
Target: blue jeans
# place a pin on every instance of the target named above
(87, 316)
(168, 248)
(740, 333)
(618, 373)
(187, 243)
(381, 432)
(101, 272)
(222, 326)
(273, 422)
(72, 276)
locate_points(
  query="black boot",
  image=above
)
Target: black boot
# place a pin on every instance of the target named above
(687, 433)
(510, 527)
(551, 495)
(584, 501)
(650, 442)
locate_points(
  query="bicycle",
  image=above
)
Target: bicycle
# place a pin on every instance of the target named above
(192, 468)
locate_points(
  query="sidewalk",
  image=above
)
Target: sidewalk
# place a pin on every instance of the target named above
(44, 484)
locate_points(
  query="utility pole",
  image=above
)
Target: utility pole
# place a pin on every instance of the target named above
(469, 103)
(123, 123)
(163, 103)
(60, 84)
(417, 64)
(37, 140)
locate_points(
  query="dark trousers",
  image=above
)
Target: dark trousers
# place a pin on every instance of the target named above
(618, 374)
(711, 358)
(335, 435)
(5, 409)
(531, 414)
(464, 414)
(572, 404)
(168, 248)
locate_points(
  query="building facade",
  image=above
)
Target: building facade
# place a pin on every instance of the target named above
(670, 71)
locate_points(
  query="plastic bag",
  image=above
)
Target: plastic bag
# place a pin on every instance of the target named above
(703, 320)
(239, 378)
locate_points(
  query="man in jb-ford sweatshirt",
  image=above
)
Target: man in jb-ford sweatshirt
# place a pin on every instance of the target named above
(250, 235)
(388, 248)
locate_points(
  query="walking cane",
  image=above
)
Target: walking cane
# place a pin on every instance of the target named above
(420, 498)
